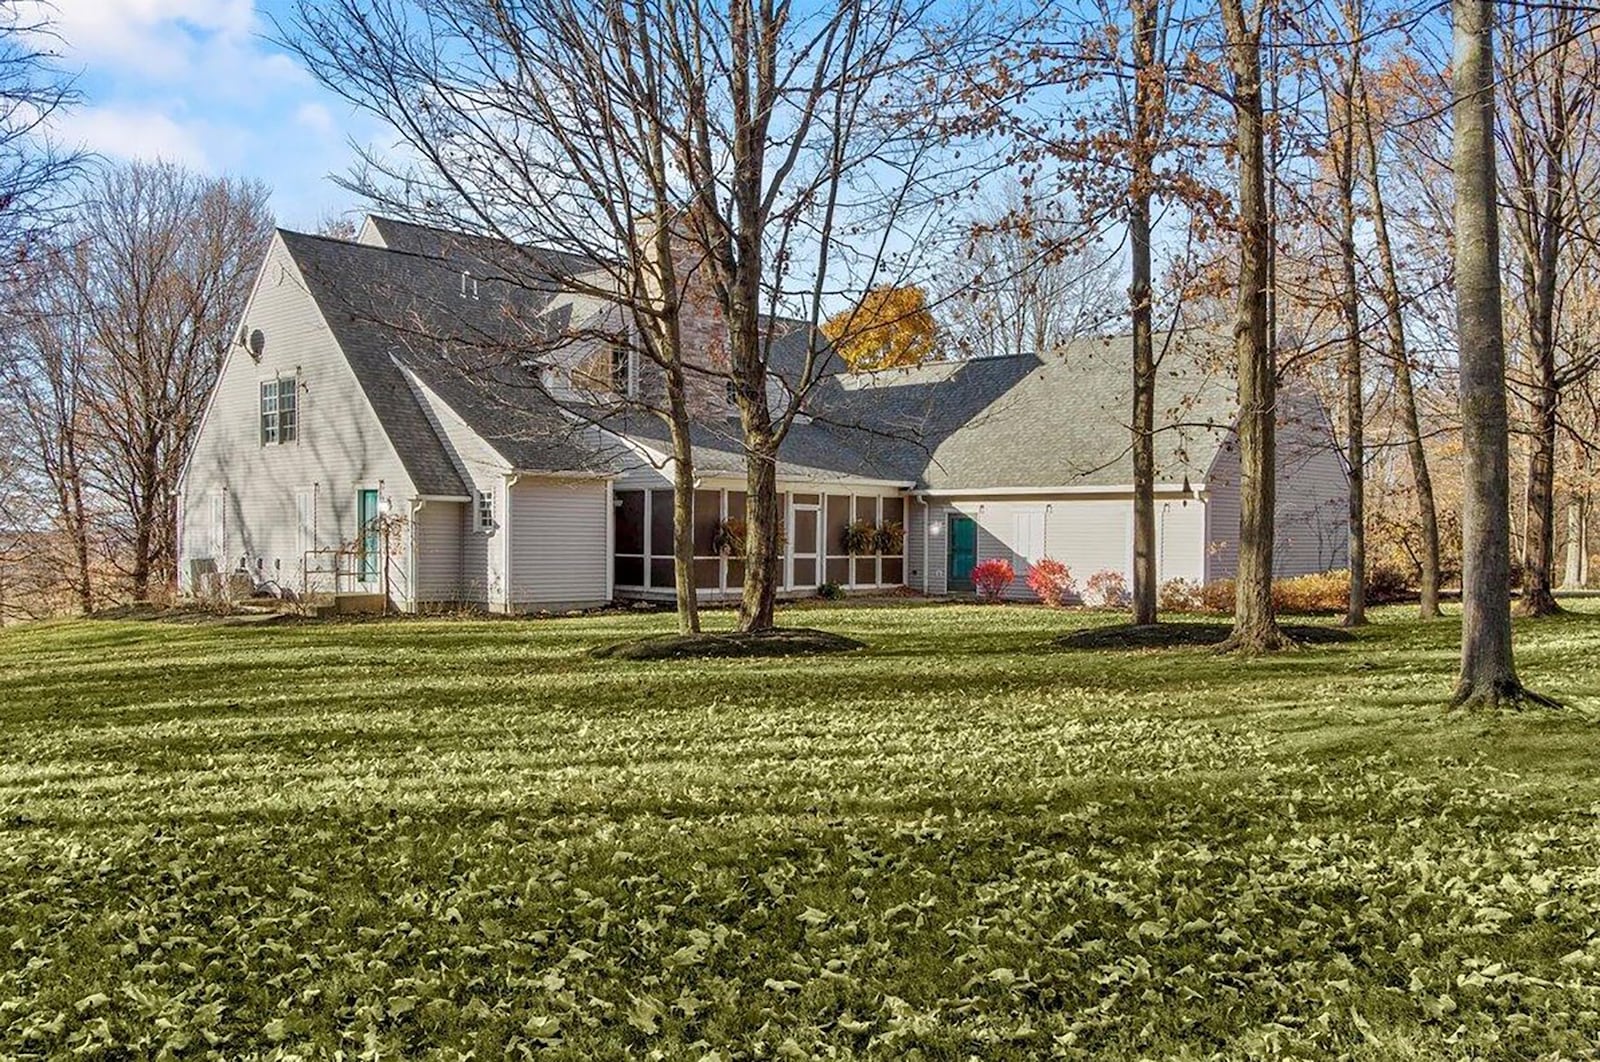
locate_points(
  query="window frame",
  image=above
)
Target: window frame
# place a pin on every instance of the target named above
(623, 376)
(279, 424)
(483, 512)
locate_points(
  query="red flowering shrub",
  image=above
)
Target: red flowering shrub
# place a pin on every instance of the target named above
(991, 577)
(1050, 580)
(1106, 589)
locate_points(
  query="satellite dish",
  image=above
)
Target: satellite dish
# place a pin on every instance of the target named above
(258, 343)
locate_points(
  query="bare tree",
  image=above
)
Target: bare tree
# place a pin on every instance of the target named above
(32, 92)
(1339, 110)
(1028, 283)
(1548, 93)
(1488, 674)
(167, 258)
(49, 375)
(1394, 304)
(794, 140)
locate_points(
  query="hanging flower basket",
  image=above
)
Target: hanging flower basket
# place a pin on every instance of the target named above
(728, 537)
(890, 538)
(860, 538)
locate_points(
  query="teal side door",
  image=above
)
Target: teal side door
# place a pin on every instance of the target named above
(367, 522)
(962, 536)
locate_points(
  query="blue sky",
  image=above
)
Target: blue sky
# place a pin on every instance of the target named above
(194, 81)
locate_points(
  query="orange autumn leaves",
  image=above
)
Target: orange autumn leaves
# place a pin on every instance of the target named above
(892, 327)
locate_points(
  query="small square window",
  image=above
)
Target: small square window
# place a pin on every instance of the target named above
(486, 523)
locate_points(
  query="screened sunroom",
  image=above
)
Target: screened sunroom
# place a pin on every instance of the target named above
(854, 540)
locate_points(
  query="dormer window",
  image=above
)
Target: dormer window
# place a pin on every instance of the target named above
(469, 285)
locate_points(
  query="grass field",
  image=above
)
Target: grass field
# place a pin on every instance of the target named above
(450, 839)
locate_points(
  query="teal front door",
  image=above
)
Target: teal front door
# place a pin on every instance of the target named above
(962, 536)
(368, 545)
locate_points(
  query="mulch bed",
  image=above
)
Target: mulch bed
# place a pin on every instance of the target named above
(785, 641)
(1186, 636)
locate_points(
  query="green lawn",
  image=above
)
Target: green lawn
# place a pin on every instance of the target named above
(441, 838)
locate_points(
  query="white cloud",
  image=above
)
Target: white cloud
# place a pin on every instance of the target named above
(315, 117)
(133, 133)
(151, 36)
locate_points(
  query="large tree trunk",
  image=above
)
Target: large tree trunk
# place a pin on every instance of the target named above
(1354, 397)
(1539, 541)
(1255, 629)
(762, 516)
(1405, 387)
(1488, 674)
(763, 558)
(1144, 363)
(682, 504)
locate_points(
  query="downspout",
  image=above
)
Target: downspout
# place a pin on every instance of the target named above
(411, 555)
(512, 478)
(927, 562)
(611, 541)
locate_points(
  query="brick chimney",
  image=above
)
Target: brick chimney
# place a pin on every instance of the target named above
(705, 341)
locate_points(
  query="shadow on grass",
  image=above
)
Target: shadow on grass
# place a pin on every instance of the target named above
(1186, 636)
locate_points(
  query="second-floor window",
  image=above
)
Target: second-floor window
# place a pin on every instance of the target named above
(279, 411)
(486, 511)
(622, 371)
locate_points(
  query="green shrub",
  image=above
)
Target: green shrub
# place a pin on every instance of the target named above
(830, 592)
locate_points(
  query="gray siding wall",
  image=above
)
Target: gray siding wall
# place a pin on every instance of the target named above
(1313, 500)
(1312, 529)
(436, 531)
(560, 555)
(340, 447)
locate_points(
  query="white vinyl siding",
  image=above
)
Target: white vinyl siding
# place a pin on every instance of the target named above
(340, 442)
(558, 552)
(218, 541)
(1180, 540)
(1087, 534)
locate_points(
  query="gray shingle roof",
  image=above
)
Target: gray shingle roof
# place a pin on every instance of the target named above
(1018, 422)
(993, 423)
(388, 308)
(810, 451)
